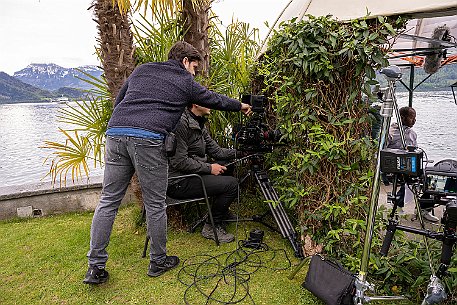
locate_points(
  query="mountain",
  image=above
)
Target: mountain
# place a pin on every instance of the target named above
(52, 77)
(13, 90)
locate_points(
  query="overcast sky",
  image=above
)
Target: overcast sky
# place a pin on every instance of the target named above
(63, 32)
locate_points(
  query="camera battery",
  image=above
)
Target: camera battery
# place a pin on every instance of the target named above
(398, 161)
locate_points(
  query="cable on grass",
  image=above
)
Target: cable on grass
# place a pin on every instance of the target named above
(224, 278)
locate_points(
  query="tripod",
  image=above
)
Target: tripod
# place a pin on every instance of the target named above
(276, 208)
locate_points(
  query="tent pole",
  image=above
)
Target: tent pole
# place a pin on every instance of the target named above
(411, 85)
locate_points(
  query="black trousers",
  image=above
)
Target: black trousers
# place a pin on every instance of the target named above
(401, 199)
(223, 190)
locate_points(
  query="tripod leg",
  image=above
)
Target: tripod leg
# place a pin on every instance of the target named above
(298, 268)
(278, 212)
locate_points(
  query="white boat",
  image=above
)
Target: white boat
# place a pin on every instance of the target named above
(60, 100)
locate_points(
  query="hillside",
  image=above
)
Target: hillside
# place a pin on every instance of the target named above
(13, 90)
(441, 80)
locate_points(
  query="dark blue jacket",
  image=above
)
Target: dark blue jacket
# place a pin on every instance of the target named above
(156, 94)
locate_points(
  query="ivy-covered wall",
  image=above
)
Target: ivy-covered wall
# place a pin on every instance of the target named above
(318, 72)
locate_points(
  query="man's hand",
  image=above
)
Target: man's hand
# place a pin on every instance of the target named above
(217, 169)
(246, 108)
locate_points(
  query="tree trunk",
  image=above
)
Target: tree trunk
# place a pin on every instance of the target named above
(116, 53)
(196, 24)
(116, 44)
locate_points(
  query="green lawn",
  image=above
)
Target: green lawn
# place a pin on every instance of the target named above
(43, 261)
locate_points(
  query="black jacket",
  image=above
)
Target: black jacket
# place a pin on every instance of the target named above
(156, 94)
(194, 145)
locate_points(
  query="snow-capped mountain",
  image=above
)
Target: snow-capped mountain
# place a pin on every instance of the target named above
(53, 77)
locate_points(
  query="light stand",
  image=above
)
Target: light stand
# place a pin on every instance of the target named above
(393, 74)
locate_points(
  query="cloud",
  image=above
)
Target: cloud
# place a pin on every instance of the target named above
(63, 32)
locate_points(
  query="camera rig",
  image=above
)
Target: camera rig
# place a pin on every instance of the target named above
(255, 138)
(255, 135)
(436, 184)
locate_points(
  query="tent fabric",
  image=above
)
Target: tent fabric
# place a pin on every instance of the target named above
(427, 14)
(351, 9)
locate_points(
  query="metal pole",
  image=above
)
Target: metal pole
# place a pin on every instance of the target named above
(373, 201)
(386, 112)
(411, 86)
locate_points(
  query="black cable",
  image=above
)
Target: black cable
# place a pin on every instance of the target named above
(224, 278)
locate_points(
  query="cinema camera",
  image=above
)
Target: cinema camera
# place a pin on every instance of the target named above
(255, 135)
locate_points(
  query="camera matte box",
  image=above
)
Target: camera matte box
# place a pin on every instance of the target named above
(398, 161)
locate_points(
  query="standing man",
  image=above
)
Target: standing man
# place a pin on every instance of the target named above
(147, 108)
(194, 146)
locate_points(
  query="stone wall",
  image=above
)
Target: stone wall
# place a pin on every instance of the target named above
(42, 199)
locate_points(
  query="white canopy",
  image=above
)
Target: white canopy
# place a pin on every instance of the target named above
(427, 14)
(351, 9)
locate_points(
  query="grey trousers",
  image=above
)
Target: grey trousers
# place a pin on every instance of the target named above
(124, 156)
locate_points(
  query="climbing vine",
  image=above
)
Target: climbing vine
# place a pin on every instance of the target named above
(318, 72)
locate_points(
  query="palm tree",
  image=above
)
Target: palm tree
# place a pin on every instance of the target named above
(116, 52)
(116, 48)
(196, 24)
(115, 40)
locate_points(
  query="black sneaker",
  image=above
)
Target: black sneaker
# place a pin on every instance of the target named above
(95, 276)
(169, 263)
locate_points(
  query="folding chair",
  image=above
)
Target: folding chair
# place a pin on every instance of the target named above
(172, 202)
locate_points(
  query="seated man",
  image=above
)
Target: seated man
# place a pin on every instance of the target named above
(408, 119)
(194, 145)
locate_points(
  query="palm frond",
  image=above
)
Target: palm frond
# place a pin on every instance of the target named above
(85, 141)
(157, 35)
(69, 156)
(99, 85)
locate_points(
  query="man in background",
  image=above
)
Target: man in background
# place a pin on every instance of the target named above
(193, 150)
(408, 119)
(146, 110)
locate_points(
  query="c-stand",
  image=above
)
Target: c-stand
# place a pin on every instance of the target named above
(276, 208)
(389, 105)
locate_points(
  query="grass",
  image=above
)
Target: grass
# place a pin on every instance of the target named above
(43, 261)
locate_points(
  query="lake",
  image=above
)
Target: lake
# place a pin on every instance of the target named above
(25, 127)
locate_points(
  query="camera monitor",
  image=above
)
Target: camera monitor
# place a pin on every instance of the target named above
(257, 102)
(441, 184)
(442, 178)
